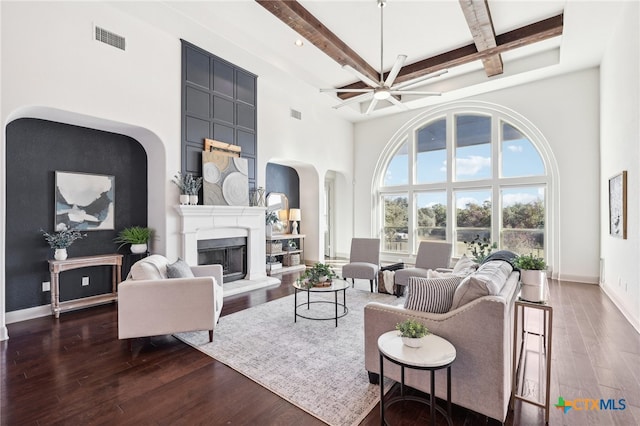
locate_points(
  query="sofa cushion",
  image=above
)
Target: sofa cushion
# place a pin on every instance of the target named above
(179, 269)
(433, 295)
(464, 266)
(487, 280)
(153, 267)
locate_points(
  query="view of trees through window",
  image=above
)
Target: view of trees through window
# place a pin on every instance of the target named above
(505, 204)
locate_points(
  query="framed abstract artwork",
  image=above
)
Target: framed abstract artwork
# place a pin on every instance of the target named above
(618, 205)
(84, 201)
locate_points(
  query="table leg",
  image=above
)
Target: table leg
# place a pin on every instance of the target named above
(335, 293)
(433, 397)
(548, 362)
(295, 305)
(382, 422)
(449, 393)
(55, 294)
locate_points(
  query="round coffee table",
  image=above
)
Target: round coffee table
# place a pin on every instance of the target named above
(336, 286)
(436, 353)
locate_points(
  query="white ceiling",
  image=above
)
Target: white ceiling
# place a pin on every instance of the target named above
(418, 29)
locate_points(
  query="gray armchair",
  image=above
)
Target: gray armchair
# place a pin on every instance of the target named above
(364, 261)
(431, 255)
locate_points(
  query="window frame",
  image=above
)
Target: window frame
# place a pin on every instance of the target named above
(496, 182)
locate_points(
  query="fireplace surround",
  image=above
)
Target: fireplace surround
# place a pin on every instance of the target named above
(199, 223)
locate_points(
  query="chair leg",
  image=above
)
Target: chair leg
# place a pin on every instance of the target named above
(210, 335)
(353, 282)
(371, 284)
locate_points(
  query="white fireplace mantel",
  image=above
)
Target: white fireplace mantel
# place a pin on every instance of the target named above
(212, 222)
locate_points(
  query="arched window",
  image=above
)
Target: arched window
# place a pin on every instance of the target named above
(461, 172)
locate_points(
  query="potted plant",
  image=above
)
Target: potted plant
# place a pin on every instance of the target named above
(319, 275)
(270, 219)
(189, 187)
(480, 248)
(61, 240)
(533, 275)
(412, 332)
(137, 236)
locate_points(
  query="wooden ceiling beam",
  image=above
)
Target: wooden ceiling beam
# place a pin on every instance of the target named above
(478, 17)
(308, 26)
(523, 36)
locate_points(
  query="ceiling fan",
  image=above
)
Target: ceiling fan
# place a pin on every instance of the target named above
(383, 89)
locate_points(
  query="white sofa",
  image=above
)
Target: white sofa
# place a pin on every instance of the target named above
(151, 304)
(481, 330)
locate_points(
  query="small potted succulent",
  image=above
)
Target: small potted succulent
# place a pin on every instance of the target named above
(137, 236)
(61, 239)
(189, 187)
(319, 275)
(412, 332)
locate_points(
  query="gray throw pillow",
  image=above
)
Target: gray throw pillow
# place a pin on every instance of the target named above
(179, 269)
(433, 295)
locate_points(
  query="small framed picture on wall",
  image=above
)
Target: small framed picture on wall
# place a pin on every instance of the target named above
(618, 205)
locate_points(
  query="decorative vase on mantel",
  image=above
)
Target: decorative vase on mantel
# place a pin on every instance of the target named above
(184, 199)
(60, 254)
(193, 199)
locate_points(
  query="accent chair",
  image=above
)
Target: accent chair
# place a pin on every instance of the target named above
(364, 261)
(431, 255)
(160, 298)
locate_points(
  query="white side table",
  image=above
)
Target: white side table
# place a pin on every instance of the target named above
(436, 353)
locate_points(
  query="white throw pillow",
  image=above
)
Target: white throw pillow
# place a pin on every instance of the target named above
(436, 274)
(433, 295)
(464, 266)
(153, 267)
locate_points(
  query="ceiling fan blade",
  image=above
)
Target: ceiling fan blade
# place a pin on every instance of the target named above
(410, 92)
(355, 99)
(411, 83)
(372, 105)
(396, 102)
(345, 90)
(361, 76)
(397, 66)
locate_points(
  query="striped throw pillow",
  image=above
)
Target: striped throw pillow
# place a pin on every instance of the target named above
(433, 295)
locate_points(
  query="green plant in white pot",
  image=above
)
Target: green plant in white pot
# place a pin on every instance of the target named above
(533, 275)
(412, 332)
(137, 236)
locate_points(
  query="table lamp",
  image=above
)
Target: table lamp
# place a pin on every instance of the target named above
(294, 216)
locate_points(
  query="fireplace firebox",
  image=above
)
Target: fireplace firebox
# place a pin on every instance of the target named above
(231, 253)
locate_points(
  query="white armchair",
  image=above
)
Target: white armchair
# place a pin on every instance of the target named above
(151, 304)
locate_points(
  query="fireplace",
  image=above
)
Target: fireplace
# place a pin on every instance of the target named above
(202, 223)
(231, 253)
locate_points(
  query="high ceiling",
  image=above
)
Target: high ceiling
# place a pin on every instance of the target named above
(418, 29)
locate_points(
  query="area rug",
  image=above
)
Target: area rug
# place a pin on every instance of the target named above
(312, 364)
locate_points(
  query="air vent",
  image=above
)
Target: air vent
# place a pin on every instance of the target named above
(296, 114)
(112, 39)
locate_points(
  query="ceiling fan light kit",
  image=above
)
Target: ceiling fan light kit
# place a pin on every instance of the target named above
(383, 89)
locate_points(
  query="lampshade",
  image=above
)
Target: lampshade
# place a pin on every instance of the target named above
(294, 214)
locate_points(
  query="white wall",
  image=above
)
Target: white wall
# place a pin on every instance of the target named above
(52, 68)
(565, 111)
(620, 150)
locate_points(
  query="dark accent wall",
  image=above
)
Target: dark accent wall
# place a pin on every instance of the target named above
(286, 180)
(218, 102)
(35, 150)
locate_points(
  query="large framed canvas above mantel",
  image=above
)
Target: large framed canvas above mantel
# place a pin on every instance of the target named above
(84, 201)
(618, 205)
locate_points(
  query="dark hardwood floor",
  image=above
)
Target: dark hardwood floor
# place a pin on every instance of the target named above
(75, 371)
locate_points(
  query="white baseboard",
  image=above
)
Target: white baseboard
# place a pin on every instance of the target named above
(577, 278)
(27, 314)
(635, 322)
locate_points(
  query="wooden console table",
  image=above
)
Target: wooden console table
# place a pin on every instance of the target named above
(57, 266)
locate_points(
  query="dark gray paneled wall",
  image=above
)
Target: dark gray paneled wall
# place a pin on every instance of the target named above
(286, 180)
(35, 150)
(218, 102)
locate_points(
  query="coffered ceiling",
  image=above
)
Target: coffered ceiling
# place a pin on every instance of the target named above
(484, 45)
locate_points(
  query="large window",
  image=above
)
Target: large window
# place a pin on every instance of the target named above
(462, 175)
